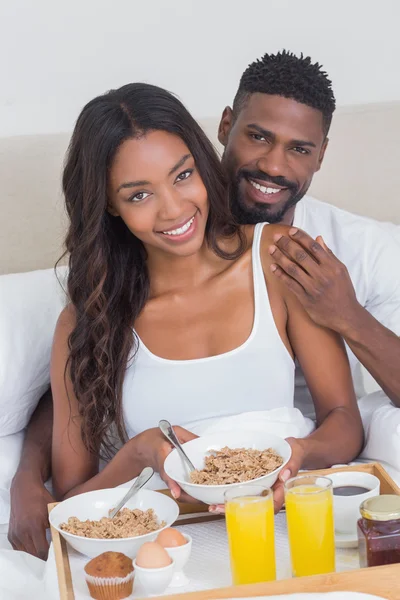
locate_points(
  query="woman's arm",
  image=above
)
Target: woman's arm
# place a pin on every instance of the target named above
(74, 469)
(72, 464)
(322, 357)
(339, 435)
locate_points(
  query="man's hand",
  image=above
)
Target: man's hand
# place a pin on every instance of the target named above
(29, 516)
(291, 469)
(317, 278)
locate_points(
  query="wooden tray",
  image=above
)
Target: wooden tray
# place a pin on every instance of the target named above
(381, 581)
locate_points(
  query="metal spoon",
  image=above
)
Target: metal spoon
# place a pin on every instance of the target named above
(169, 433)
(140, 481)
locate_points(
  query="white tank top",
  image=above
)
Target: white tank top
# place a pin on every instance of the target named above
(258, 375)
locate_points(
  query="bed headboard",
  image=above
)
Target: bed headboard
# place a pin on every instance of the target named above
(361, 173)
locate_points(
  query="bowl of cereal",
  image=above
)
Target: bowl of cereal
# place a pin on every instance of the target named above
(83, 520)
(228, 459)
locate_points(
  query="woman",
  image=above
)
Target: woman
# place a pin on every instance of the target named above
(174, 310)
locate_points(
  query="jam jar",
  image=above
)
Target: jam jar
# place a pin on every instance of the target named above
(379, 531)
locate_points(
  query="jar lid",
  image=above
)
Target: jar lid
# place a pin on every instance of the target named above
(381, 508)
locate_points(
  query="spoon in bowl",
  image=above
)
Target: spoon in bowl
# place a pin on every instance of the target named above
(139, 482)
(169, 433)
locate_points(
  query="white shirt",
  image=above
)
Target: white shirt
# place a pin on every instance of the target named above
(371, 252)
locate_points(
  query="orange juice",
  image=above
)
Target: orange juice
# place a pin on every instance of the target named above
(309, 514)
(250, 526)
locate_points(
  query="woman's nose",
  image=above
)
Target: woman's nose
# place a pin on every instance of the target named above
(171, 205)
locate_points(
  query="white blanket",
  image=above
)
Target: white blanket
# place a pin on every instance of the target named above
(24, 577)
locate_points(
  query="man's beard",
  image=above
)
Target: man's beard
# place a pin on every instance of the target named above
(260, 212)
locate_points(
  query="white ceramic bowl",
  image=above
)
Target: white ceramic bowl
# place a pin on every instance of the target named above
(95, 505)
(197, 450)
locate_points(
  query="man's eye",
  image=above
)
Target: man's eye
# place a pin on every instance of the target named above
(184, 175)
(139, 196)
(258, 137)
(301, 150)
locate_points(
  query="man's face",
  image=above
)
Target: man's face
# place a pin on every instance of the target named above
(272, 151)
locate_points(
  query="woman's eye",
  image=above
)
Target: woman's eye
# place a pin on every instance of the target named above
(184, 175)
(139, 196)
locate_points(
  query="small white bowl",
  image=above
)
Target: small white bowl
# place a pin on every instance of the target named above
(197, 450)
(154, 581)
(180, 555)
(95, 505)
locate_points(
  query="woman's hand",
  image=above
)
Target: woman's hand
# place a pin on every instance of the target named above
(152, 448)
(290, 470)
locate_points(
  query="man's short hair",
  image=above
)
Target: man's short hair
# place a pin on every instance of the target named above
(285, 74)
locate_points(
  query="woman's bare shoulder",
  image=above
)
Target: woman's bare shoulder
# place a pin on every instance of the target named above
(66, 322)
(268, 233)
(267, 241)
(60, 351)
(270, 230)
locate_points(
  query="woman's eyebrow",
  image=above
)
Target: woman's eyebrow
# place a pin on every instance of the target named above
(130, 184)
(180, 163)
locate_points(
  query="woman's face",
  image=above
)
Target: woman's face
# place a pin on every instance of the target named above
(155, 188)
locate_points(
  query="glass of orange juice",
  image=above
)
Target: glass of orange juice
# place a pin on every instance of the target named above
(309, 514)
(249, 511)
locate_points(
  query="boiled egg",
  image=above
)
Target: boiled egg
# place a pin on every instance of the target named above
(152, 556)
(171, 538)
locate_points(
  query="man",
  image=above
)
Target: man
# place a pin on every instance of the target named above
(275, 137)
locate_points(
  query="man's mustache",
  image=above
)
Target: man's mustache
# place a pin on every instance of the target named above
(260, 175)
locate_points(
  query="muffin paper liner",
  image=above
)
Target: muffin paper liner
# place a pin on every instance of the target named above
(111, 588)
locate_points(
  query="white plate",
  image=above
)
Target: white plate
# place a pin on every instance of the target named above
(346, 540)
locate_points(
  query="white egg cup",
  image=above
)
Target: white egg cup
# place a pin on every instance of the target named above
(154, 581)
(180, 555)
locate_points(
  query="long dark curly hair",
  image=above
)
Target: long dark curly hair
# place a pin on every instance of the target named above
(108, 282)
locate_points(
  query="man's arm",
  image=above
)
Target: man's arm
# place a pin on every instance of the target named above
(29, 497)
(378, 350)
(322, 284)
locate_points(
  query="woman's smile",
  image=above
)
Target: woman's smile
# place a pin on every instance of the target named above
(183, 232)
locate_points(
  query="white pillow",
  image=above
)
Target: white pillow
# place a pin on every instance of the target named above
(10, 452)
(30, 304)
(381, 422)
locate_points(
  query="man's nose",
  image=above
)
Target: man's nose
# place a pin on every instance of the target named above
(273, 161)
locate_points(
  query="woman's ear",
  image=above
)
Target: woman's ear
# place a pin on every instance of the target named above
(110, 209)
